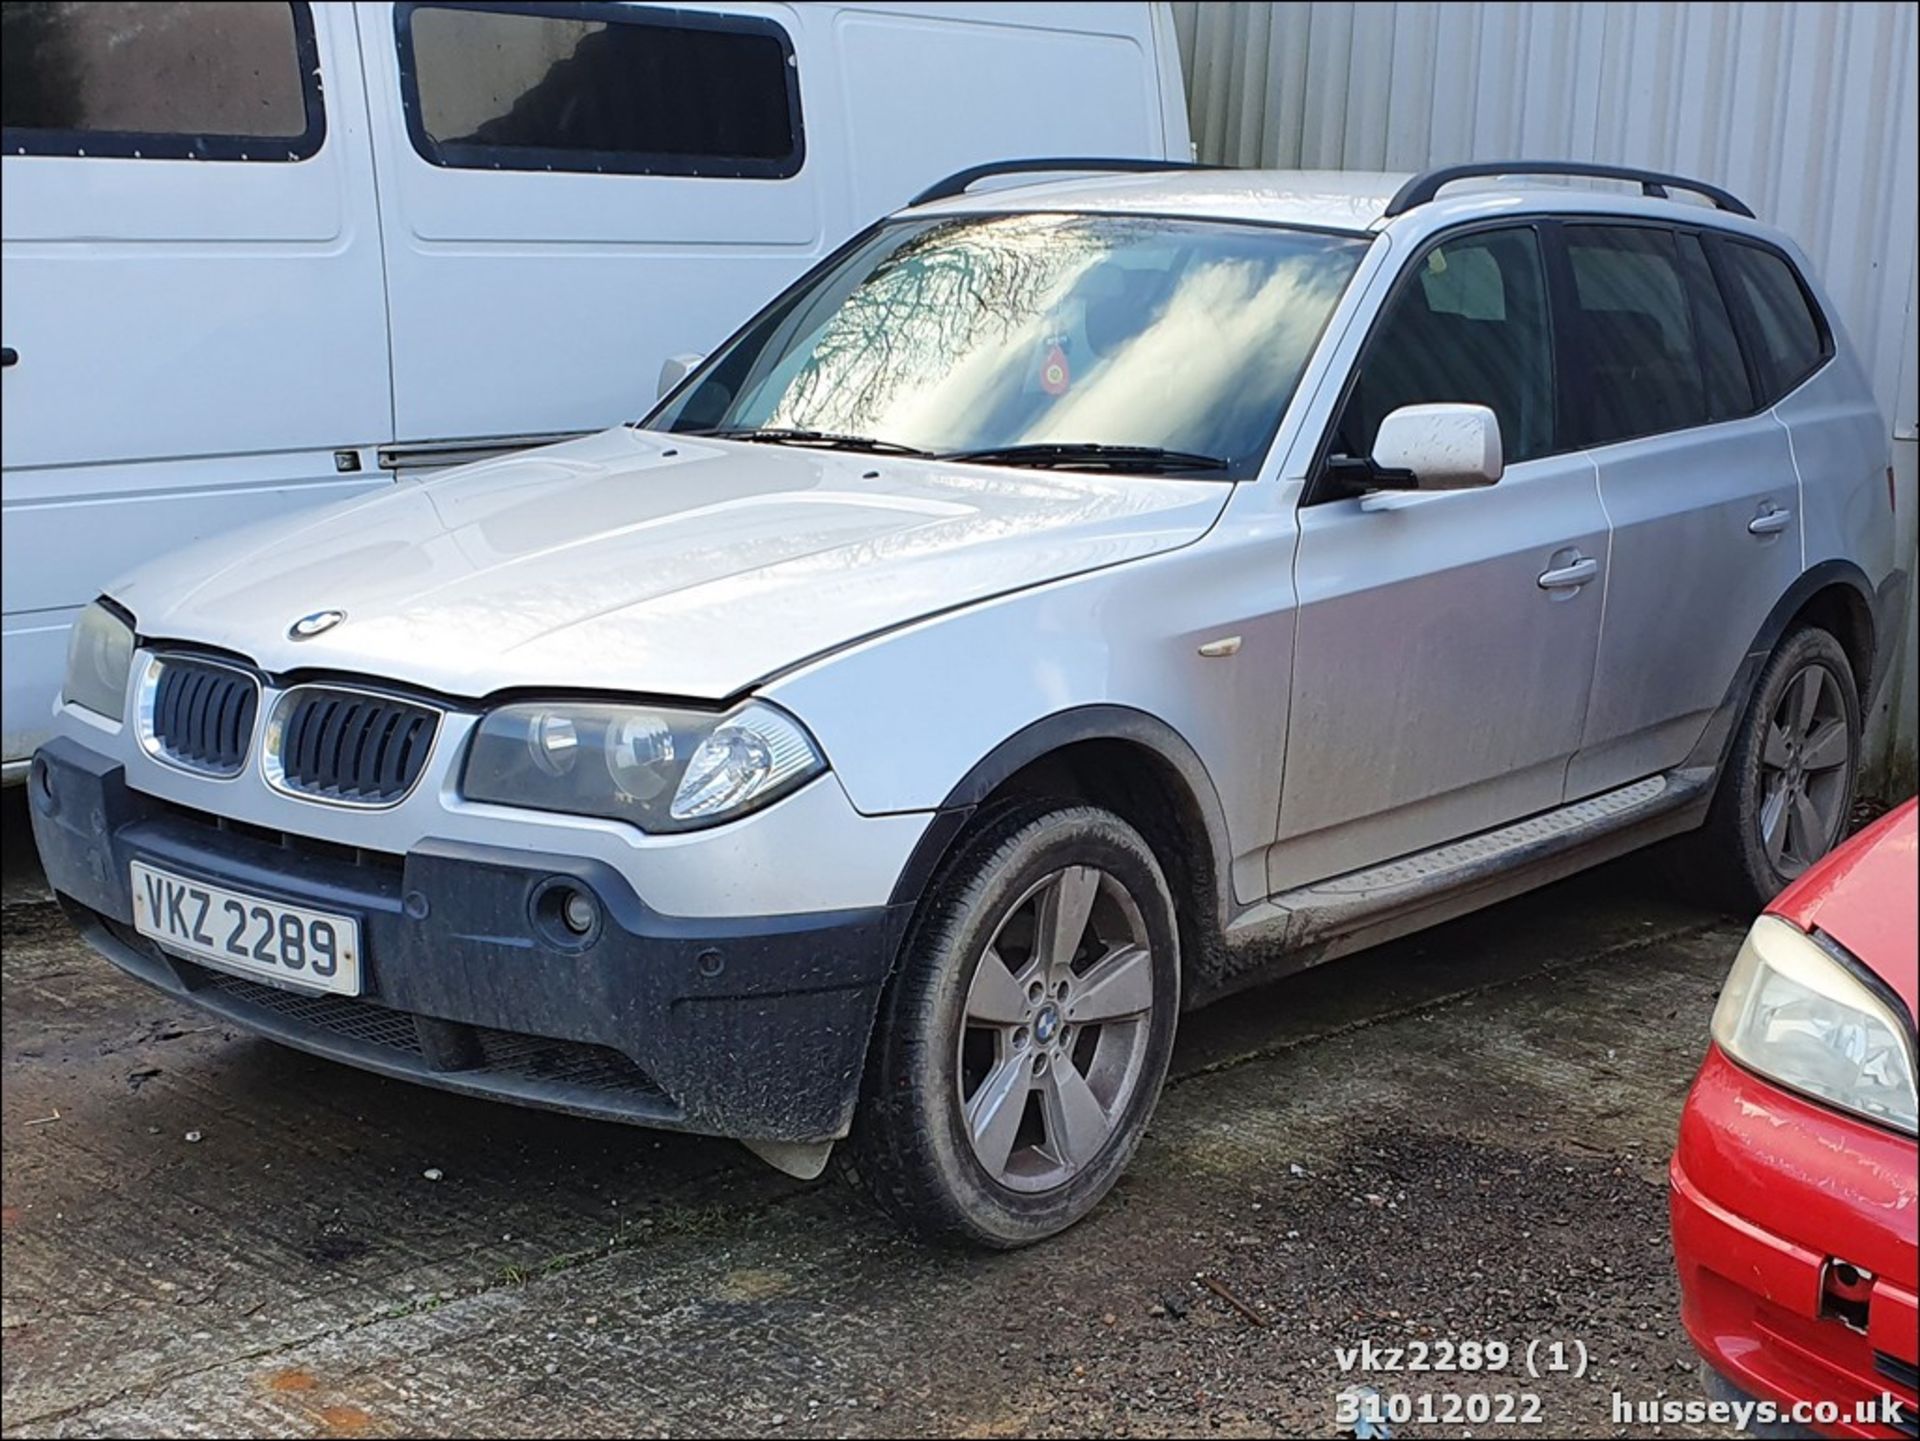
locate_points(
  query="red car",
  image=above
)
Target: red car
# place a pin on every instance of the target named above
(1794, 1190)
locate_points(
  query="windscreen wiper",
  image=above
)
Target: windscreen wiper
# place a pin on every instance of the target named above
(1068, 454)
(825, 439)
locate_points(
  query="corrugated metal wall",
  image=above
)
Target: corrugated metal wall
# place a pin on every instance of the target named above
(1810, 112)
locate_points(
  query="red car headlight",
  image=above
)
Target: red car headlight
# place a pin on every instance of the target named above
(1795, 1011)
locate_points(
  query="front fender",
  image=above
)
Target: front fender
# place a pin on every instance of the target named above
(931, 718)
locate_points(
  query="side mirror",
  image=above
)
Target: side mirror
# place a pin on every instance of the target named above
(674, 369)
(1440, 447)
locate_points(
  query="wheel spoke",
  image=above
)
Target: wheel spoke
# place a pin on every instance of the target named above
(1826, 747)
(997, 996)
(993, 1115)
(1076, 1123)
(1809, 828)
(1773, 822)
(1065, 908)
(1775, 754)
(1806, 700)
(1120, 984)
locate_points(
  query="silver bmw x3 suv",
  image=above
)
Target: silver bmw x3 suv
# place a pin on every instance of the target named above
(1068, 603)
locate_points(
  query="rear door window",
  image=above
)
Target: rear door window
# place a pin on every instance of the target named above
(600, 88)
(1787, 331)
(136, 79)
(1469, 325)
(1639, 362)
(1723, 368)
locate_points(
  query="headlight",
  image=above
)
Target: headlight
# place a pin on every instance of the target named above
(660, 769)
(99, 655)
(1799, 1016)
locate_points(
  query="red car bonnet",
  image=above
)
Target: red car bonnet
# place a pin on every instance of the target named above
(1866, 895)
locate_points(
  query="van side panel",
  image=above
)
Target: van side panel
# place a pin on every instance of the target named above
(196, 338)
(526, 302)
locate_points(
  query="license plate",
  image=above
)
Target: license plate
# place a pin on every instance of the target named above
(315, 950)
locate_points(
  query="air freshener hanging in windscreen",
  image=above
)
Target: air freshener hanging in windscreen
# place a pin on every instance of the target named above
(1055, 374)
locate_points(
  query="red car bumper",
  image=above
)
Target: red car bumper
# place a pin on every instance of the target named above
(1770, 1195)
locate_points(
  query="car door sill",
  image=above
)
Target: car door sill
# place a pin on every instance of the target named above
(1361, 908)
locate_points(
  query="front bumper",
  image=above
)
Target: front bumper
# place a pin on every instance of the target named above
(750, 1027)
(1767, 1191)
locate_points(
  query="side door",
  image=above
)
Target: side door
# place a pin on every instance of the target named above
(1445, 641)
(194, 326)
(1698, 478)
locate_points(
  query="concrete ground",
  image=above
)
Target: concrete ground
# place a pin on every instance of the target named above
(1462, 1136)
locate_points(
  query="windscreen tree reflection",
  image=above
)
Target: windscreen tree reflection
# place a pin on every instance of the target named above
(983, 332)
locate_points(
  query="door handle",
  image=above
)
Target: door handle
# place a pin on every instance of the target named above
(1576, 573)
(8, 356)
(1771, 521)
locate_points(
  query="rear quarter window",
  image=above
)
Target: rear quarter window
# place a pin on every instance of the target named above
(1723, 366)
(1787, 332)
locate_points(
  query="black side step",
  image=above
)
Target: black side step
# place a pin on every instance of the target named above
(1361, 908)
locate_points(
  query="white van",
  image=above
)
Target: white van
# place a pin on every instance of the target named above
(259, 256)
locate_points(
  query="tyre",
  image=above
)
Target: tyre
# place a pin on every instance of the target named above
(1787, 789)
(1022, 1042)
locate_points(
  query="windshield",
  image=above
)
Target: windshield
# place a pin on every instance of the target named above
(1036, 338)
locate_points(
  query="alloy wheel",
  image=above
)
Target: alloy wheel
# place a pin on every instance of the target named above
(1054, 1038)
(1805, 771)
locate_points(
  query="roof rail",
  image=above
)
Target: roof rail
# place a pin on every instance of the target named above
(961, 180)
(1426, 185)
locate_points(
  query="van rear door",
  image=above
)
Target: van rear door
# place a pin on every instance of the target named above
(928, 90)
(195, 318)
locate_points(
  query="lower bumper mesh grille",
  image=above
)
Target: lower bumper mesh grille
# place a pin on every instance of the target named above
(343, 1016)
(579, 1068)
(504, 1054)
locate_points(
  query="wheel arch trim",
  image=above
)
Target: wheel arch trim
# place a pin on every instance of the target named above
(1712, 748)
(1057, 732)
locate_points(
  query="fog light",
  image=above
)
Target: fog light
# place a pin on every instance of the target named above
(565, 913)
(578, 912)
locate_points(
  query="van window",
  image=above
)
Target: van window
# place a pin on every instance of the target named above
(1792, 341)
(1640, 366)
(600, 88)
(1470, 326)
(134, 79)
(1723, 368)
